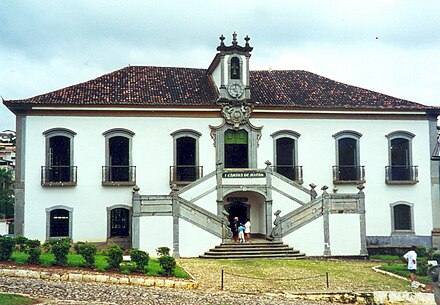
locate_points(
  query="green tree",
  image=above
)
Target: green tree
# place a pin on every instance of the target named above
(6, 194)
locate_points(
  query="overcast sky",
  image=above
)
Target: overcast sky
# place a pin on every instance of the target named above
(389, 46)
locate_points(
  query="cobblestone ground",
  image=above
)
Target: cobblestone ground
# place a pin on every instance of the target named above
(74, 293)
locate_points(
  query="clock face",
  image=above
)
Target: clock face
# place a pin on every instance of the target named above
(235, 90)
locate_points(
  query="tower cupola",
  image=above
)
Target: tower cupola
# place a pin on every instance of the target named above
(230, 69)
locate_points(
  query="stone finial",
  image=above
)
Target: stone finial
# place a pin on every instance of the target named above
(136, 189)
(360, 188)
(247, 40)
(268, 163)
(234, 39)
(174, 187)
(312, 185)
(222, 39)
(335, 190)
(324, 189)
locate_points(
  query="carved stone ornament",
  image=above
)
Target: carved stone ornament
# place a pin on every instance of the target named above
(237, 115)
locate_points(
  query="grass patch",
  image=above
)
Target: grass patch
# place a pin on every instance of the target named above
(291, 275)
(47, 259)
(75, 260)
(12, 299)
(402, 270)
(20, 258)
(101, 263)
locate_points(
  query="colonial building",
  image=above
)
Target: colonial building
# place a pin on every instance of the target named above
(162, 156)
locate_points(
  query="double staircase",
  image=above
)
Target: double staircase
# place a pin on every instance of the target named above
(258, 248)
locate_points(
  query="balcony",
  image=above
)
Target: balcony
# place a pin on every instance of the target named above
(120, 175)
(185, 174)
(292, 172)
(348, 174)
(401, 174)
(58, 175)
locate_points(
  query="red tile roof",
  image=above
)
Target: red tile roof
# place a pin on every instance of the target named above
(163, 86)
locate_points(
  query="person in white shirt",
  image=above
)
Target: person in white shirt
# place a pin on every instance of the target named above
(247, 230)
(411, 258)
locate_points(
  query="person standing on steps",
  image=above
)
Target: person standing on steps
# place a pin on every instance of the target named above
(235, 225)
(247, 230)
(241, 233)
(411, 258)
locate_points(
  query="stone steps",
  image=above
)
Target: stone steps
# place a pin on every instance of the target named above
(258, 249)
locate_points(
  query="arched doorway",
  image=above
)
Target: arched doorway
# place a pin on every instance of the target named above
(247, 205)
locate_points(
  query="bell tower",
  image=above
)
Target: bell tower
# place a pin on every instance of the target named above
(230, 70)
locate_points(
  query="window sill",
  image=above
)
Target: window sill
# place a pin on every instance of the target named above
(402, 233)
(58, 184)
(119, 183)
(348, 181)
(401, 182)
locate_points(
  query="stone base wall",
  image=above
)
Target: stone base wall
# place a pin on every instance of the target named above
(101, 278)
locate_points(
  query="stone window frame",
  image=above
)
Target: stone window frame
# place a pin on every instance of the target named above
(285, 133)
(59, 207)
(59, 131)
(400, 134)
(119, 206)
(218, 136)
(183, 133)
(351, 134)
(402, 232)
(119, 132)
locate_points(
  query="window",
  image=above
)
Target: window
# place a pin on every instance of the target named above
(235, 68)
(186, 167)
(402, 215)
(285, 154)
(119, 222)
(59, 222)
(347, 168)
(59, 169)
(400, 168)
(236, 149)
(118, 169)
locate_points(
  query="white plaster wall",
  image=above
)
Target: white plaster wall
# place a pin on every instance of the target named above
(289, 189)
(154, 232)
(195, 241)
(282, 203)
(316, 153)
(309, 239)
(345, 234)
(89, 197)
(209, 202)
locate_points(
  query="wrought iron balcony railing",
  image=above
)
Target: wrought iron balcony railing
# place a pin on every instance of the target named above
(401, 174)
(348, 174)
(292, 172)
(185, 174)
(58, 175)
(119, 175)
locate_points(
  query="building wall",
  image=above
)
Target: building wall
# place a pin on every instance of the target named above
(152, 154)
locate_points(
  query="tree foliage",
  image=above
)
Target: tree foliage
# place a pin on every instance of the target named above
(6, 194)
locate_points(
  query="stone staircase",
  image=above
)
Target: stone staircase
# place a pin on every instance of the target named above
(255, 249)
